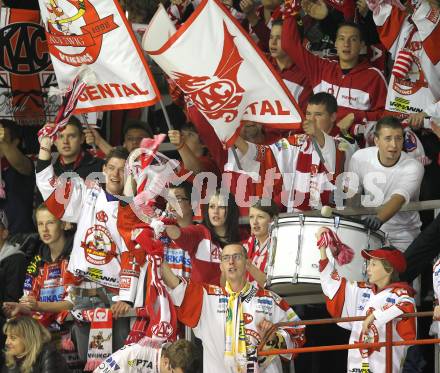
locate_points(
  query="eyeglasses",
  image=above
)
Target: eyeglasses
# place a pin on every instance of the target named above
(234, 257)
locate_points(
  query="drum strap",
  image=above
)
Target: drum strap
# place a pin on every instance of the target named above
(318, 150)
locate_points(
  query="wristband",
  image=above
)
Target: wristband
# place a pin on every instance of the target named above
(45, 149)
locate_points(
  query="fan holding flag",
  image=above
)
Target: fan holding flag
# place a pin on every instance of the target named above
(99, 255)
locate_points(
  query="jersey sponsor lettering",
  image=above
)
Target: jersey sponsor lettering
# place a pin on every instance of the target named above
(140, 363)
(95, 274)
(53, 294)
(109, 365)
(28, 281)
(125, 282)
(52, 283)
(54, 272)
(177, 259)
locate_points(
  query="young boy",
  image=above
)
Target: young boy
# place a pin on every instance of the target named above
(47, 278)
(152, 356)
(381, 299)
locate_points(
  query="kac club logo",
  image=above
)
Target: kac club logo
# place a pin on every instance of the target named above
(163, 329)
(75, 31)
(217, 96)
(23, 45)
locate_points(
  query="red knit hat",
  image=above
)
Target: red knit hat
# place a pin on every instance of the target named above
(393, 255)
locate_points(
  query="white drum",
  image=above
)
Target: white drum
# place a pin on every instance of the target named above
(293, 264)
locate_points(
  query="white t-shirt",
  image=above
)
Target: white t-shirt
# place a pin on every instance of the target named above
(379, 183)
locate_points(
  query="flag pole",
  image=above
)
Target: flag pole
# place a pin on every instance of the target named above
(234, 152)
(86, 122)
(165, 114)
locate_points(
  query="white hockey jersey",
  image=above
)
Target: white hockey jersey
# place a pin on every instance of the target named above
(141, 357)
(349, 299)
(203, 308)
(418, 33)
(98, 249)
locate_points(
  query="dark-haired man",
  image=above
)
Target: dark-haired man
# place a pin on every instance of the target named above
(133, 133)
(305, 162)
(97, 247)
(180, 206)
(72, 157)
(389, 178)
(359, 88)
(293, 77)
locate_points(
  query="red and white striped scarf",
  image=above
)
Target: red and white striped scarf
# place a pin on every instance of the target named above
(310, 186)
(148, 148)
(163, 318)
(311, 170)
(258, 253)
(70, 99)
(342, 253)
(162, 323)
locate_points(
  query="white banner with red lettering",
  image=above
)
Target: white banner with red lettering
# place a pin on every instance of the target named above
(98, 34)
(217, 65)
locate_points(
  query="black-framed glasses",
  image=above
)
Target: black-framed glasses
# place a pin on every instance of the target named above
(234, 257)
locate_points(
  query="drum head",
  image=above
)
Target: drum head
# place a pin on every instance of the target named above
(293, 268)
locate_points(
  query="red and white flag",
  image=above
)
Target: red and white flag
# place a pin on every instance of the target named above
(98, 34)
(222, 71)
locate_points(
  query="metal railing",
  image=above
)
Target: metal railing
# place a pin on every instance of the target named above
(388, 343)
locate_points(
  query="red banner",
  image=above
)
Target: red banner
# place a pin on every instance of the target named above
(26, 71)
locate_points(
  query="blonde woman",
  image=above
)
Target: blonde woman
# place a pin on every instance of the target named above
(28, 348)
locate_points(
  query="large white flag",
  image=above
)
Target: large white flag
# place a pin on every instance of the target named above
(97, 33)
(218, 66)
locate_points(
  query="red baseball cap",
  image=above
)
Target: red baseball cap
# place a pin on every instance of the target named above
(393, 255)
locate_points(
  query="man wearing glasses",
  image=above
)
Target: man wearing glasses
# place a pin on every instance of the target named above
(232, 320)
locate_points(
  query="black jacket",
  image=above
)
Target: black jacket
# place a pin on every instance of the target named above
(12, 272)
(48, 361)
(87, 165)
